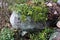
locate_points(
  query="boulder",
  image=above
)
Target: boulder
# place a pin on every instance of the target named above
(27, 25)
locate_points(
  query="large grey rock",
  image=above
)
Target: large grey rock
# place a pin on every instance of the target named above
(27, 25)
(55, 36)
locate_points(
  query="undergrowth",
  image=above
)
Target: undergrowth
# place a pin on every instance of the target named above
(6, 34)
(43, 35)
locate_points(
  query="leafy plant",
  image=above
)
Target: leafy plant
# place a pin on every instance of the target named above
(20, 1)
(6, 34)
(54, 0)
(36, 12)
(16, 1)
(44, 35)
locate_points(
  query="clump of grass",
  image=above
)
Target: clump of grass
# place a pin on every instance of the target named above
(44, 35)
(6, 34)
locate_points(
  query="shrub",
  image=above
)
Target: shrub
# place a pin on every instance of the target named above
(6, 34)
(36, 12)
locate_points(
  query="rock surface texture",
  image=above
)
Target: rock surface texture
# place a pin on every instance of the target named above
(27, 25)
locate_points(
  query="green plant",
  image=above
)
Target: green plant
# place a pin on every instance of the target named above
(16, 1)
(42, 35)
(20, 1)
(36, 12)
(6, 34)
(54, 0)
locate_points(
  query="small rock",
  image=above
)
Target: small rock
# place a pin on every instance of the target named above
(58, 2)
(55, 12)
(23, 33)
(58, 24)
(49, 4)
(6, 4)
(0, 4)
(55, 36)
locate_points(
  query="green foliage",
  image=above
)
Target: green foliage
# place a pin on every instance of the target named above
(16, 1)
(20, 1)
(36, 1)
(6, 34)
(36, 12)
(39, 13)
(54, 0)
(41, 35)
(23, 18)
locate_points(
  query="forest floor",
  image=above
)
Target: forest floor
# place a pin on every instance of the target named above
(5, 15)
